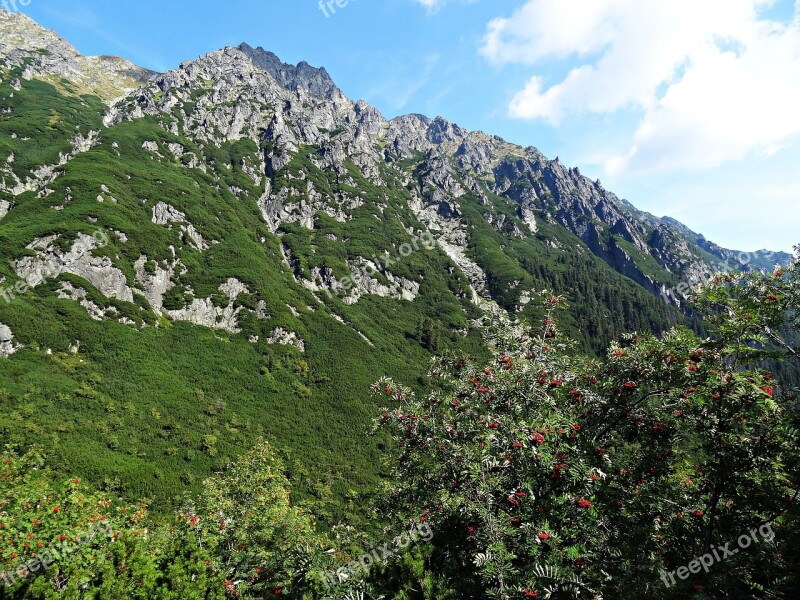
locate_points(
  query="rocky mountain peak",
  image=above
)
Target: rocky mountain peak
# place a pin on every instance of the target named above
(20, 32)
(316, 81)
(23, 40)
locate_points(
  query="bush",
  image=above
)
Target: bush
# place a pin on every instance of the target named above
(543, 474)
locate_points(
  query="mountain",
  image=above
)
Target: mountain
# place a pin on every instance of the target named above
(235, 249)
(43, 54)
(316, 82)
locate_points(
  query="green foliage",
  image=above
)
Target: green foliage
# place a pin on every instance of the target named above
(249, 542)
(539, 474)
(548, 474)
(56, 535)
(39, 122)
(244, 518)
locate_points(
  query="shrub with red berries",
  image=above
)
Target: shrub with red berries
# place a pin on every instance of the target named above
(628, 465)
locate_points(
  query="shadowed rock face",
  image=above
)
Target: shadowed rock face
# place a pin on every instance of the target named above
(315, 81)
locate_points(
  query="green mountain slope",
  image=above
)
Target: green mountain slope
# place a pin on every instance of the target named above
(222, 255)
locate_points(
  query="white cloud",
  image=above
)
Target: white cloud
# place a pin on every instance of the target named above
(711, 80)
(745, 209)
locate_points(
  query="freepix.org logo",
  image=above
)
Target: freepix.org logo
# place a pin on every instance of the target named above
(379, 555)
(14, 5)
(328, 7)
(62, 550)
(718, 554)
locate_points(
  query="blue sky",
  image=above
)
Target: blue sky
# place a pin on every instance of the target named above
(686, 108)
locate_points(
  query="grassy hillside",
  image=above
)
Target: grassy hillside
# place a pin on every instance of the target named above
(150, 409)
